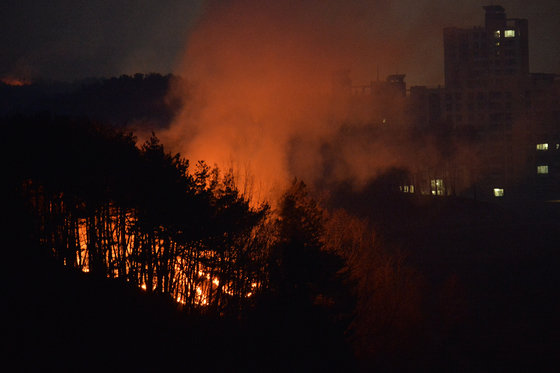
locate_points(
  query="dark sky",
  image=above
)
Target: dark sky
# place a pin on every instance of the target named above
(70, 39)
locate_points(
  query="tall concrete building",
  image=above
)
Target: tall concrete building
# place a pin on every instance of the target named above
(488, 55)
(507, 115)
(495, 124)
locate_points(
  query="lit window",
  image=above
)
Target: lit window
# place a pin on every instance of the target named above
(542, 146)
(498, 192)
(509, 33)
(542, 169)
(407, 188)
(497, 34)
(437, 187)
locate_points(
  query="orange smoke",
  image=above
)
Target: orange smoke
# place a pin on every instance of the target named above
(260, 75)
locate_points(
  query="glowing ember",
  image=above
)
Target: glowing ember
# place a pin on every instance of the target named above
(203, 291)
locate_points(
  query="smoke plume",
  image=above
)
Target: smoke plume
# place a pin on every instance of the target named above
(259, 97)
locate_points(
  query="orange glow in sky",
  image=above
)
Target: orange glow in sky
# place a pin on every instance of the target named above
(14, 82)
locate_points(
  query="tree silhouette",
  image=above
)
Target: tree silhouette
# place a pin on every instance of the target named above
(308, 294)
(94, 201)
(102, 205)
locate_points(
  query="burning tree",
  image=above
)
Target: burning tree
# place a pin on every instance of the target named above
(104, 206)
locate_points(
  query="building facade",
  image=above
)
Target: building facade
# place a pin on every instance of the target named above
(494, 124)
(507, 116)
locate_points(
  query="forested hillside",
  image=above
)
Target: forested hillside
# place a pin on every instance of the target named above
(119, 254)
(86, 198)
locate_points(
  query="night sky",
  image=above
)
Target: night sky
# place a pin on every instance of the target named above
(67, 40)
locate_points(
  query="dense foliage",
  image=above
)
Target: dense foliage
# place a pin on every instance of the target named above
(99, 203)
(102, 205)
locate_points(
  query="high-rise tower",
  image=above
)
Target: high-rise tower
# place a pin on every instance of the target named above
(508, 115)
(480, 57)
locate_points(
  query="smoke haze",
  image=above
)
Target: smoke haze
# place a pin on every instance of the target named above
(261, 99)
(260, 72)
(262, 80)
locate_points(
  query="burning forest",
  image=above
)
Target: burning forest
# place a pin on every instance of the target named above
(257, 210)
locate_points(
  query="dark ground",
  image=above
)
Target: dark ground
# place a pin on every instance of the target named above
(491, 295)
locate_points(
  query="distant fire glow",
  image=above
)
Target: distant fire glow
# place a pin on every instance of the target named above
(14, 82)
